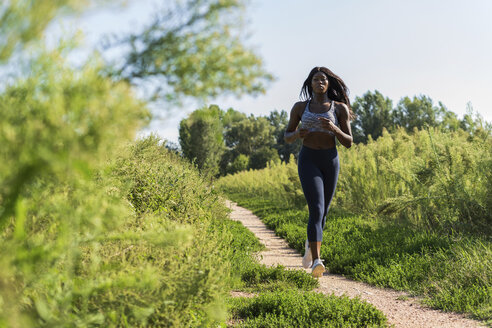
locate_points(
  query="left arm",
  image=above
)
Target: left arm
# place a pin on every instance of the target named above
(344, 132)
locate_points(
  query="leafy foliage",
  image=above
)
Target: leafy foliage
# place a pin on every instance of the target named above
(431, 178)
(194, 48)
(261, 277)
(279, 182)
(21, 21)
(374, 114)
(53, 118)
(95, 232)
(223, 142)
(201, 139)
(188, 281)
(58, 127)
(297, 309)
(253, 137)
(418, 113)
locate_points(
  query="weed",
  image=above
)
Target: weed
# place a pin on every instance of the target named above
(291, 308)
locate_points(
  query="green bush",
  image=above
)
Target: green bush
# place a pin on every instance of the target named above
(292, 308)
(264, 278)
(278, 182)
(434, 179)
(178, 240)
(99, 230)
(57, 128)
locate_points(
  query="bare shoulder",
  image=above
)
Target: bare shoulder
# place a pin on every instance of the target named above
(298, 108)
(342, 109)
(295, 115)
(299, 104)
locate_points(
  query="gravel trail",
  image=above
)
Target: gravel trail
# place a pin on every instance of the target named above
(400, 309)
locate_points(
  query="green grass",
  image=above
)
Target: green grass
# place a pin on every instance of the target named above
(292, 308)
(451, 271)
(262, 278)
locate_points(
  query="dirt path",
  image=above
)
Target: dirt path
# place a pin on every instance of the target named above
(400, 309)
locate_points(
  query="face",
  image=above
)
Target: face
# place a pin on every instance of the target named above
(319, 83)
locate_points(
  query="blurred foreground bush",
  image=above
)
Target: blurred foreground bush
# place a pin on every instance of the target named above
(97, 229)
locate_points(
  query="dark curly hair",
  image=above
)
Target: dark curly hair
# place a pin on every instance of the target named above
(337, 90)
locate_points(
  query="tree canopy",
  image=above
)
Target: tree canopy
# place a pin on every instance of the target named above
(230, 141)
(23, 21)
(193, 48)
(201, 138)
(374, 113)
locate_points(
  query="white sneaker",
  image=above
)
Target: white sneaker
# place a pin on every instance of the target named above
(318, 268)
(307, 260)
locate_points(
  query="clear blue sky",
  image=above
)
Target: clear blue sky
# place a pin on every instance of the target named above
(439, 48)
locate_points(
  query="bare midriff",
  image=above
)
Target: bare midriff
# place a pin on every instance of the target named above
(319, 140)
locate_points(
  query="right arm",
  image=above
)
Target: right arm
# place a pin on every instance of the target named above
(292, 133)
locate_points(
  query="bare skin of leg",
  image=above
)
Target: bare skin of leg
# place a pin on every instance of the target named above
(315, 247)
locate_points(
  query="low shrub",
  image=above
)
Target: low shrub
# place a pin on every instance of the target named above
(292, 308)
(261, 278)
(432, 179)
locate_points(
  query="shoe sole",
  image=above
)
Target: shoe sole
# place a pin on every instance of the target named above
(318, 271)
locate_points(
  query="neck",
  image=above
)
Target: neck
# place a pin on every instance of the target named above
(319, 98)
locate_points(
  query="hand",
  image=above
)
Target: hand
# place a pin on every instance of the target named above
(303, 133)
(328, 124)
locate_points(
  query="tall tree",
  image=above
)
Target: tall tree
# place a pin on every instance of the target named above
(252, 137)
(249, 135)
(279, 120)
(193, 48)
(373, 114)
(262, 156)
(418, 112)
(448, 121)
(475, 124)
(232, 117)
(201, 139)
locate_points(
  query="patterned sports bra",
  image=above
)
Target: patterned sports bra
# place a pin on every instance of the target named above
(310, 120)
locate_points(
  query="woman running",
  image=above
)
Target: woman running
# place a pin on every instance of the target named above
(325, 115)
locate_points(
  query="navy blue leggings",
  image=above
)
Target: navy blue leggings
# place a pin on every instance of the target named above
(318, 172)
